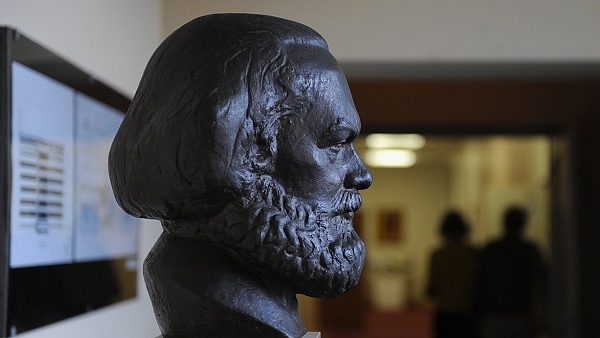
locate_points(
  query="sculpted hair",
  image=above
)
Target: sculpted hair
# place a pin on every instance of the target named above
(204, 120)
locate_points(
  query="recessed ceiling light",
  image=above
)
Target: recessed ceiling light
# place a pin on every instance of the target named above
(390, 158)
(395, 141)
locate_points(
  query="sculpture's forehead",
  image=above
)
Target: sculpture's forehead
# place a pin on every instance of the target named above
(331, 100)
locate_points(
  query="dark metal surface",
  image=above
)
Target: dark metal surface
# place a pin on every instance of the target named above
(240, 141)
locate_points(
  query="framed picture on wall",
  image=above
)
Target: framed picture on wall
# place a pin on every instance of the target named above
(389, 226)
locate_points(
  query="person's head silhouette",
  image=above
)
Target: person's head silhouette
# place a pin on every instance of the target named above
(515, 218)
(453, 227)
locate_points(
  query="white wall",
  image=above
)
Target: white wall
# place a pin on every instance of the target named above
(430, 30)
(112, 40)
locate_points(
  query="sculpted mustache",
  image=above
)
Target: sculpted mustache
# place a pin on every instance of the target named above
(346, 201)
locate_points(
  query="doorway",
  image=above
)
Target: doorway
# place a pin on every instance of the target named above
(565, 109)
(478, 175)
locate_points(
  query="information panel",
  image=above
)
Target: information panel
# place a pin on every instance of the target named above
(62, 208)
(42, 170)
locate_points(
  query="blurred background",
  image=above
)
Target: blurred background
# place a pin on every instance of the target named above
(503, 94)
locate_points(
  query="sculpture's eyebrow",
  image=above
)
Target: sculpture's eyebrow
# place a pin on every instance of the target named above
(341, 131)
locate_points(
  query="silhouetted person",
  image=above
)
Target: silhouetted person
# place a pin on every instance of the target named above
(451, 280)
(510, 278)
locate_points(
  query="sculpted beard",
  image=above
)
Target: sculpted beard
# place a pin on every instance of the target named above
(316, 251)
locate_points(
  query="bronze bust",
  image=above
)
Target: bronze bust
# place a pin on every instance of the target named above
(239, 140)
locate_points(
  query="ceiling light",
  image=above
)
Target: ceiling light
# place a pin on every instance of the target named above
(390, 158)
(401, 141)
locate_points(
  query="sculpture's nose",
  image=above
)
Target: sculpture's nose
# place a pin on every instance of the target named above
(359, 177)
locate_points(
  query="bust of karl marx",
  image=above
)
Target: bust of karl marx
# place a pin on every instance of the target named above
(240, 141)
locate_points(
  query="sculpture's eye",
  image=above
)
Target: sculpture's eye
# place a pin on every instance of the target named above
(337, 137)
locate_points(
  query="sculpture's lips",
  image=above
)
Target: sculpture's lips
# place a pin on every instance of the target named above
(348, 215)
(347, 203)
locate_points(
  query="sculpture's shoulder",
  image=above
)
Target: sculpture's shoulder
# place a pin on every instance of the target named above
(312, 335)
(209, 295)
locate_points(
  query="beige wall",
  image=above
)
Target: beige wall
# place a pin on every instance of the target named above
(429, 30)
(480, 178)
(493, 173)
(420, 195)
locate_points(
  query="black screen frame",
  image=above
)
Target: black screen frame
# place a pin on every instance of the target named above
(14, 46)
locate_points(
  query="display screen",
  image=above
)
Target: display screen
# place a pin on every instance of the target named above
(62, 206)
(68, 247)
(41, 222)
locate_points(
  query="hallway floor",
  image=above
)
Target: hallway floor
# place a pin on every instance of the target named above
(409, 323)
